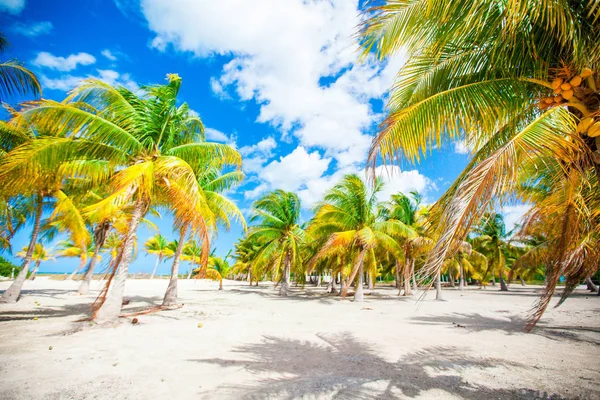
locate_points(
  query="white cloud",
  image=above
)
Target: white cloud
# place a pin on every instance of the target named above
(12, 6)
(294, 58)
(45, 59)
(461, 147)
(215, 135)
(514, 214)
(395, 180)
(108, 54)
(68, 82)
(255, 156)
(296, 171)
(32, 29)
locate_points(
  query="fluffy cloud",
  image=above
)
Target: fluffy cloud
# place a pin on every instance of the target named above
(461, 147)
(215, 135)
(32, 29)
(68, 82)
(12, 6)
(514, 214)
(395, 180)
(294, 58)
(45, 59)
(108, 54)
(255, 156)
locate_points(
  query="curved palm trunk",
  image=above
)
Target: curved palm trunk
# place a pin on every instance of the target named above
(170, 298)
(191, 269)
(284, 288)
(503, 287)
(590, 285)
(84, 287)
(158, 261)
(359, 296)
(407, 268)
(438, 286)
(11, 295)
(522, 281)
(357, 268)
(81, 266)
(414, 279)
(34, 272)
(111, 307)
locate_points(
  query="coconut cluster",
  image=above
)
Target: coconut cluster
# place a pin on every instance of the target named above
(569, 89)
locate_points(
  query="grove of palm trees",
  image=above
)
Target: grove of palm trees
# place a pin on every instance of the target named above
(145, 254)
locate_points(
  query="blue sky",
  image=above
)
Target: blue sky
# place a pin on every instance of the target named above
(278, 79)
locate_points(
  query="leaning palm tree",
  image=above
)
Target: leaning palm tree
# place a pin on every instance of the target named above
(15, 79)
(68, 249)
(349, 217)
(157, 146)
(40, 254)
(516, 81)
(276, 228)
(156, 245)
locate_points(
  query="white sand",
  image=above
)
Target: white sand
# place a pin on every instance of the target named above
(256, 345)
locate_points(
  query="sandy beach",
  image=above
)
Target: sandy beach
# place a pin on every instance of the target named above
(252, 344)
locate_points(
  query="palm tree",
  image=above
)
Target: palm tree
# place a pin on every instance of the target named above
(409, 211)
(67, 248)
(349, 218)
(40, 254)
(15, 78)
(246, 251)
(276, 216)
(192, 252)
(157, 145)
(217, 210)
(513, 81)
(491, 241)
(156, 245)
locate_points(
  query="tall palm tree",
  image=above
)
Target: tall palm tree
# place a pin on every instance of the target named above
(218, 211)
(40, 254)
(156, 245)
(517, 82)
(349, 217)
(492, 241)
(157, 146)
(15, 78)
(276, 228)
(409, 211)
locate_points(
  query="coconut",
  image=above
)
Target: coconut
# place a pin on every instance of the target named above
(558, 99)
(558, 91)
(576, 81)
(594, 130)
(549, 100)
(565, 86)
(556, 83)
(585, 124)
(585, 73)
(567, 94)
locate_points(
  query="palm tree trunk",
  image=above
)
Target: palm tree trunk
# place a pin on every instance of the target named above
(84, 287)
(503, 287)
(12, 273)
(158, 260)
(407, 291)
(461, 271)
(11, 295)
(590, 285)
(346, 285)
(191, 268)
(81, 266)
(111, 307)
(412, 272)
(451, 278)
(170, 298)
(370, 284)
(284, 288)
(438, 286)
(522, 281)
(359, 296)
(35, 269)
(397, 276)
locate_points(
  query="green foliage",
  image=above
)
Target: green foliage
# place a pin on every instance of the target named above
(6, 267)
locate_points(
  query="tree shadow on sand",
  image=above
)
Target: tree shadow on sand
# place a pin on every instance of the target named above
(345, 368)
(512, 324)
